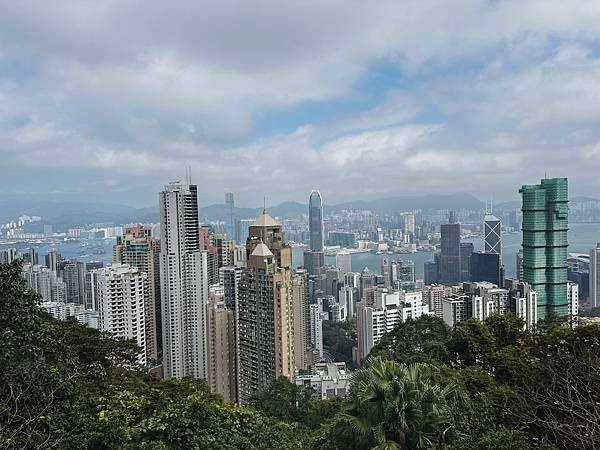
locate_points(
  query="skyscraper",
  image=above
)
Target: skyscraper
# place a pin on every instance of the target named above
(409, 224)
(466, 250)
(316, 326)
(225, 250)
(183, 283)
(230, 227)
(314, 258)
(33, 256)
(74, 278)
(594, 301)
(545, 225)
(229, 280)
(450, 269)
(44, 282)
(315, 221)
(301, 319)
(519, 264)
(121, 304)
(221, 346)
(265, 310)
(137, 249)
(492, 235)
(52, 260)
(486, 267)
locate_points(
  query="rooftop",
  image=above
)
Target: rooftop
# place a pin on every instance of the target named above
(265, 220)
(261, 250)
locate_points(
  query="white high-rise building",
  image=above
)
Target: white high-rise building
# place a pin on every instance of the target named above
(433, 296)
(573, 298)
(121, 296)
(595, 277)
(348, 297)
(183, 284)
(409, 224)
(343, 261)
(455, 309)
(316, 327)
(523, 301)
(389, 308)
(412, 306)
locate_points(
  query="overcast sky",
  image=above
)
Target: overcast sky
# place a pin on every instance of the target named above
(112, 99)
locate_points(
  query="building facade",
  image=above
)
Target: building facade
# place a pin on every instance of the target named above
(183, 284)
(594, 283)
(265, 310)
(122, 299)
(449, 262)
(545, 225)
(221, 346)
(492, 235)
(138, 249)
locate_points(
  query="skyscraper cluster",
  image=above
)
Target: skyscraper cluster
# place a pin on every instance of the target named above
(240, 315)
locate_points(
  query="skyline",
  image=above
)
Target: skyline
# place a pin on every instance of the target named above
(357, 101)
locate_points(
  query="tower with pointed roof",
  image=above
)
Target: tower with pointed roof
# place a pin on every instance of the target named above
(265, 310)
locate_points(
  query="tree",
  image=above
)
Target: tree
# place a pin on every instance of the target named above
(563, 394)
(173, 414)
(339, 338)
(401, 407)
(496, 439)
(420, 340)
(286, 401)
(471, 344)
(283, 400)
(51, 372)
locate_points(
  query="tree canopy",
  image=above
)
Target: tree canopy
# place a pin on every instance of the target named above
(482, 385)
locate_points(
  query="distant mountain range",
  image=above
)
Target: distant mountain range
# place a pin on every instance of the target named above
(62, 214)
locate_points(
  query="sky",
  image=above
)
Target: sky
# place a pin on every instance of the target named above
(110, 100)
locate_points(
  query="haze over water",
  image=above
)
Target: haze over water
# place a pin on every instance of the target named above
(582, 237)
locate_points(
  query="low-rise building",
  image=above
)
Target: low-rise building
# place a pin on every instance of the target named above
(327, 380)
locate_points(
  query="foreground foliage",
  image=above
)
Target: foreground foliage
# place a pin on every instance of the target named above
(396, 406)
(483, 385)
(66, 386)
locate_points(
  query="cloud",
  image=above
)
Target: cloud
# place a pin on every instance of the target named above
(425, 96)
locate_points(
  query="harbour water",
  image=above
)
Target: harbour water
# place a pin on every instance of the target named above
(582, 237)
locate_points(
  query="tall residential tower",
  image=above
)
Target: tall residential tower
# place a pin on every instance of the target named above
(264, 310)
(183, 284)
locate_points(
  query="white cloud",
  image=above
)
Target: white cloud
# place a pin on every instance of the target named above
(132, 92)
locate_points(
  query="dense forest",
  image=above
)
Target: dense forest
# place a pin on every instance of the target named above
(483, 385)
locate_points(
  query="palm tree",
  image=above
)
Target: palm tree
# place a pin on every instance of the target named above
(401, 407)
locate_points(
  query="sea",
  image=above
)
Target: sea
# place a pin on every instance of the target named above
(582, 237)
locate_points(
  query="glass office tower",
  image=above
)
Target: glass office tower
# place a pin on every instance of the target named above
(545, 225)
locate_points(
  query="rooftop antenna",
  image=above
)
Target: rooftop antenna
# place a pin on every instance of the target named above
(265, 204)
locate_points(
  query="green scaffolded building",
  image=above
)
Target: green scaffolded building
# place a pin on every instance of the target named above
(545, 225)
